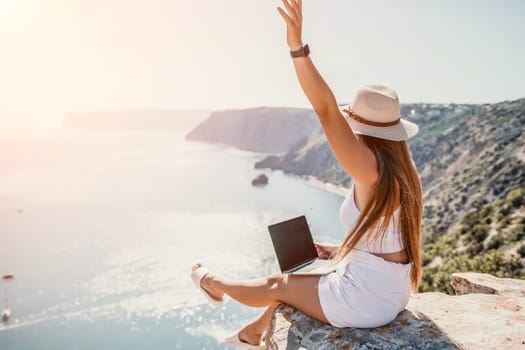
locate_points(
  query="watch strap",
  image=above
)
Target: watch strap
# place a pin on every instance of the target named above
(304, 51)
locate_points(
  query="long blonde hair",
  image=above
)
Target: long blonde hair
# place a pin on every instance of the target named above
(394, 162)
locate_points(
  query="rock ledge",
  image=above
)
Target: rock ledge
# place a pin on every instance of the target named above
(486, 313)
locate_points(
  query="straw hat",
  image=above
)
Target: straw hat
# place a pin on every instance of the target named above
(375, 111)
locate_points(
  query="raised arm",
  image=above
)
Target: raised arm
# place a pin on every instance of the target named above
(355, 157)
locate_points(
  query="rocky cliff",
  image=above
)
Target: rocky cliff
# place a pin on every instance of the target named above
(486, 313)
(263, 129)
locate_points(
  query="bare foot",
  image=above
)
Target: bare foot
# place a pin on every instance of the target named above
(206, 283)
(250, 335)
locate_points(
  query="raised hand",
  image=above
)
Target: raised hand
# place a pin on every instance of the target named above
(294, 22)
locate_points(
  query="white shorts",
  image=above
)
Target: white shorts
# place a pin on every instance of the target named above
(365, 291)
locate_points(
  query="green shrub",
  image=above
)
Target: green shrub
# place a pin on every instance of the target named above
(485, 211)
(521, 251)
(516, 197)
(504, 222)
(517, 202)
(480, 232)
(517, 233)
(470, 219)
(427, 258)
(495, 242)
(427, 280)
(504, 211)
(474, 249)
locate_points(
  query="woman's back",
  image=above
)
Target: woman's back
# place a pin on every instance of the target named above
(392, 241)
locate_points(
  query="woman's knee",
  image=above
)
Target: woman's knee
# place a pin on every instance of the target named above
(284, 288)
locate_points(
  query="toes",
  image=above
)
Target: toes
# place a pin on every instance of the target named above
(196, 266)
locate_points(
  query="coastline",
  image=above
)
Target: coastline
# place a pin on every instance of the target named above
(337, 189)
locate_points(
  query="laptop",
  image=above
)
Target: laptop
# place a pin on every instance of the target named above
(295, 250)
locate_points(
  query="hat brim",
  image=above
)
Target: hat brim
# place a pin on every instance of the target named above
(399, 132)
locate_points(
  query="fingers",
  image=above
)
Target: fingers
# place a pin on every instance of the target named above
(288, 6)
(292, 9)
(298, 7)
(321, 253)
(283, 14)
(294, 12)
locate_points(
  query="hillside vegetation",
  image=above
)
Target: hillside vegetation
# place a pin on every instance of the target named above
(487, 239)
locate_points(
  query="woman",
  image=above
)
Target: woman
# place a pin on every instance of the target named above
(379, 260)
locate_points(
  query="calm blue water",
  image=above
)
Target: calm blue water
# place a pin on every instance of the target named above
(101, 229)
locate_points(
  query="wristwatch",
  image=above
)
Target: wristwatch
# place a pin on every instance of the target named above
(302, 52)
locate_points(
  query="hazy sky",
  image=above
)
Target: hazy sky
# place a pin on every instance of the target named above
(74, 55)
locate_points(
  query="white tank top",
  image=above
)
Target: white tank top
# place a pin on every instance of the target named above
(392, 240)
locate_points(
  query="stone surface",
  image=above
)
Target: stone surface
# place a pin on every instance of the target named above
(430, 321)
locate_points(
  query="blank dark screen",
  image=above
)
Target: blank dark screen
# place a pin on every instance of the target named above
(292, 241)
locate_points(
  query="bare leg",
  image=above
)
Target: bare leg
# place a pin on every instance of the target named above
(252, 332)
(297, 291)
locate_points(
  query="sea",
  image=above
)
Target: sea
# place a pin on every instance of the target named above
(101, 228)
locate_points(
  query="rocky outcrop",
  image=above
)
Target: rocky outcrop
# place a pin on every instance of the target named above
(263, 129)
(469, 320)
(484, 283)
(260, 180)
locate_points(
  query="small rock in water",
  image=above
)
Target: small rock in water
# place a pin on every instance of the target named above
(5, 315)
(260, 180)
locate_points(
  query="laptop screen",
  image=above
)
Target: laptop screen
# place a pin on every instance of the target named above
(293, 242)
